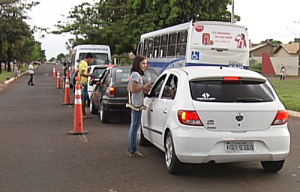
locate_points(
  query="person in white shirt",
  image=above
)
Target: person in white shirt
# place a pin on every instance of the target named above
(282, 73)
(31, 73)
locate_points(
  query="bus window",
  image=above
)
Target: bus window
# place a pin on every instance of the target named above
(172, 45)
(140, 49)
(73, 59)
(150, 48)
(164, 46)
(181, 44)
(156, 46)
(146, 44)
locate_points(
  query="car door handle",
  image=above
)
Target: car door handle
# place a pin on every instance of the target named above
(165, 111)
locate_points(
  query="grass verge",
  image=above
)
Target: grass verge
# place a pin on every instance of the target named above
(289, 92)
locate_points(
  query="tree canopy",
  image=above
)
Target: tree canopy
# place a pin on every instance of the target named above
(16, 36)
(119, 23)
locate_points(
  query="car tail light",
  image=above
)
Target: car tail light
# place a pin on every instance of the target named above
(112, 92)
(231, 78)
(189, 118)
(109, 65)
(281, 118)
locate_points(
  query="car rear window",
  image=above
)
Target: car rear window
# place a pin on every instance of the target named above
(240, 91)
(98, 72)
(122, 74)
(150, 76)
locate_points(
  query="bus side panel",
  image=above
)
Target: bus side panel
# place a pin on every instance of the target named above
(225, 45)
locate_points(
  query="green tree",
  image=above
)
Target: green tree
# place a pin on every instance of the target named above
(13, 28)
(60, 56)
(119, 23)
(273, 42)
(296, 40)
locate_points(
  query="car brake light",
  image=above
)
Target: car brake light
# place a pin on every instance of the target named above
(281, 118)
(112, 92)
(189, 118)
(231, 78)
(109, 66)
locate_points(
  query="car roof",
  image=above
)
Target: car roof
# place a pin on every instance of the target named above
(127, 67)
(210, 72)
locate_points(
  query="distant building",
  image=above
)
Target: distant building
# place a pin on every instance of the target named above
(258, 49)
(287, 50)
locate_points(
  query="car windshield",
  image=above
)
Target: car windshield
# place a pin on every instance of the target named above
(99, 58)
(240, 91)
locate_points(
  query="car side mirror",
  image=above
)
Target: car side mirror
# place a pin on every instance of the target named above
(94, 81)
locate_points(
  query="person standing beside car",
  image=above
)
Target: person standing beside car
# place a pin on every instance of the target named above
(83, 74)
(136, 91)
(65, 69)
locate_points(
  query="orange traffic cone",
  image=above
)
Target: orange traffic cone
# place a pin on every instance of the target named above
(58, 79)
(54, 74)
(78, 118)
(67, 100)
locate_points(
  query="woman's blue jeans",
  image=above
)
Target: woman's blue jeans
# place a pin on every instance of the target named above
(134, 126)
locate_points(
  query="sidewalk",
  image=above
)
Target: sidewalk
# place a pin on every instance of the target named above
(5, 84)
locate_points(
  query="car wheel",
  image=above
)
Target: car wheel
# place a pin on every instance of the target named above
(141, 140)
(104, 115)
(93, 110)
(272, 166)
(174, 166)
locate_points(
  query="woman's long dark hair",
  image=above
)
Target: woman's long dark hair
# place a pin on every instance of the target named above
(136, 65)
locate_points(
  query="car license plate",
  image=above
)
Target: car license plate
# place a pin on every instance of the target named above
(232, 146)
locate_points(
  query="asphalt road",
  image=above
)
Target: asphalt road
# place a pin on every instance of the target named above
(38, 155)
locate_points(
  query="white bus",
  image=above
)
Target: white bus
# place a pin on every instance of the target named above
(101, 53)
(200, 43)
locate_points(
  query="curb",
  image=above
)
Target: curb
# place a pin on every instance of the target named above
(294, 113)
(13, 79)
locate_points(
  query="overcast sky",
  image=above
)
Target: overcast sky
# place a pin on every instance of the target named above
(265, 19)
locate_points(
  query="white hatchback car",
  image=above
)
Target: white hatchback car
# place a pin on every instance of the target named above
(215, 115)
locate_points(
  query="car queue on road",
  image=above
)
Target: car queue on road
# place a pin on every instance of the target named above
(200, 114)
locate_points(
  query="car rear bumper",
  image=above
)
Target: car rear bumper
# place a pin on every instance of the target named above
(115, 105)
(198, 145)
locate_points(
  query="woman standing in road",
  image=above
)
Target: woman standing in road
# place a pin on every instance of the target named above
(136, 91)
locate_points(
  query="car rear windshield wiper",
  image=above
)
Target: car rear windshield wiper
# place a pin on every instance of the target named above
(248, 99)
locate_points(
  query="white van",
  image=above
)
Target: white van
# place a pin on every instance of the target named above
(101, 53)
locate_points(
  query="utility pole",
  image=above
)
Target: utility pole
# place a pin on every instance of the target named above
(298, 22)
(232, 12)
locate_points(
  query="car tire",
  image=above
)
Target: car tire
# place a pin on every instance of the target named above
(174, 166)
(93, 110)
(141, 140)
(272, 166)
(103, 114)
